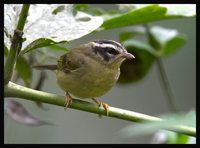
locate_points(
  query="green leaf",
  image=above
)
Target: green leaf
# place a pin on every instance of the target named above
(140, 46)
(169, 137)
(24, 70)
(182, 139)
(145, 14)
(176, 138)
(173, 44)
(6, 51)
(136, 69)
(42, 42)
(169, 121)
(57, 47)
(125, 36)
(172, 9)
(136, 16)
(166, 41)
(132, 32)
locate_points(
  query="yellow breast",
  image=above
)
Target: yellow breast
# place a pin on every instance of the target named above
(88, 81)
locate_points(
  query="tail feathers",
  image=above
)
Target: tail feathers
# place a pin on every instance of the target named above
(47, 67)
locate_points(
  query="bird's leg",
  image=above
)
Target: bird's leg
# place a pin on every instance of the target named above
(104, 105)
(68, 100)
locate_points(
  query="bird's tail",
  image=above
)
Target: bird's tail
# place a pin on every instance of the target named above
(46, 67)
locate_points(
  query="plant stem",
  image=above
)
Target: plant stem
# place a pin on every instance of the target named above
(163, 77)
(14, 90)
(23, 16)
(169, 95)
(16, 44)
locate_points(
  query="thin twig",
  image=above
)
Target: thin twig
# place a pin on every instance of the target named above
(167, 89)
(39, 85)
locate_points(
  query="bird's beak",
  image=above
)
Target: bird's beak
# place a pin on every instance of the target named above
(128, 55)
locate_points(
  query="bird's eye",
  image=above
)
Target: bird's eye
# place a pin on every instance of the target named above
(112, 51)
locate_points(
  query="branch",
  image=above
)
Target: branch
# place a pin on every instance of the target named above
(16, 44)
(169, 94)
(23, 16)
(163, 76)
(14, 90)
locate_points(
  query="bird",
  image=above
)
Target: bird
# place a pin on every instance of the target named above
(89, 70)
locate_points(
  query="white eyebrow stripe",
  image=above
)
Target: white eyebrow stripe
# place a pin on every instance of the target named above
(117, 43)
(105, 45)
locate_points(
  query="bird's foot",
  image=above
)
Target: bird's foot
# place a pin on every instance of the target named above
(68, 100)
(104, 105)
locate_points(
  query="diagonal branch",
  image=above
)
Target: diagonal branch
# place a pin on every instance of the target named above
(15, 90)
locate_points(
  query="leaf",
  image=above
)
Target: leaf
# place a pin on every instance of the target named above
(60, 27)
(136, 69)
(125, 36)
(87, 8)
(24, 70)
(146, 13)
(169, 121)
(180, 9)
(166, 41)
(173, 45)
(172, 9)
(182, 139)
(57, 47)
(160, 137)
(169, 137)
(132, 32)
(11, 15)
(140, 45)
(58, 9)
(42, 22)
(136, 16)
(19, 113)
(42, 42)
(126, 7)
(6, 51)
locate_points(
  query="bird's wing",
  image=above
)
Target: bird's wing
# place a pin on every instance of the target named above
(68, 63)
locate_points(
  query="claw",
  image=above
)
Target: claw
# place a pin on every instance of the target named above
(104, 105)
(68, 101)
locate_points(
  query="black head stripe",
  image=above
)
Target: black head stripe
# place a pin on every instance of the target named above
(99, 50)
(107, 49)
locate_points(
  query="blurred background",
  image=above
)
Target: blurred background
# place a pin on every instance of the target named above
(145, 96)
